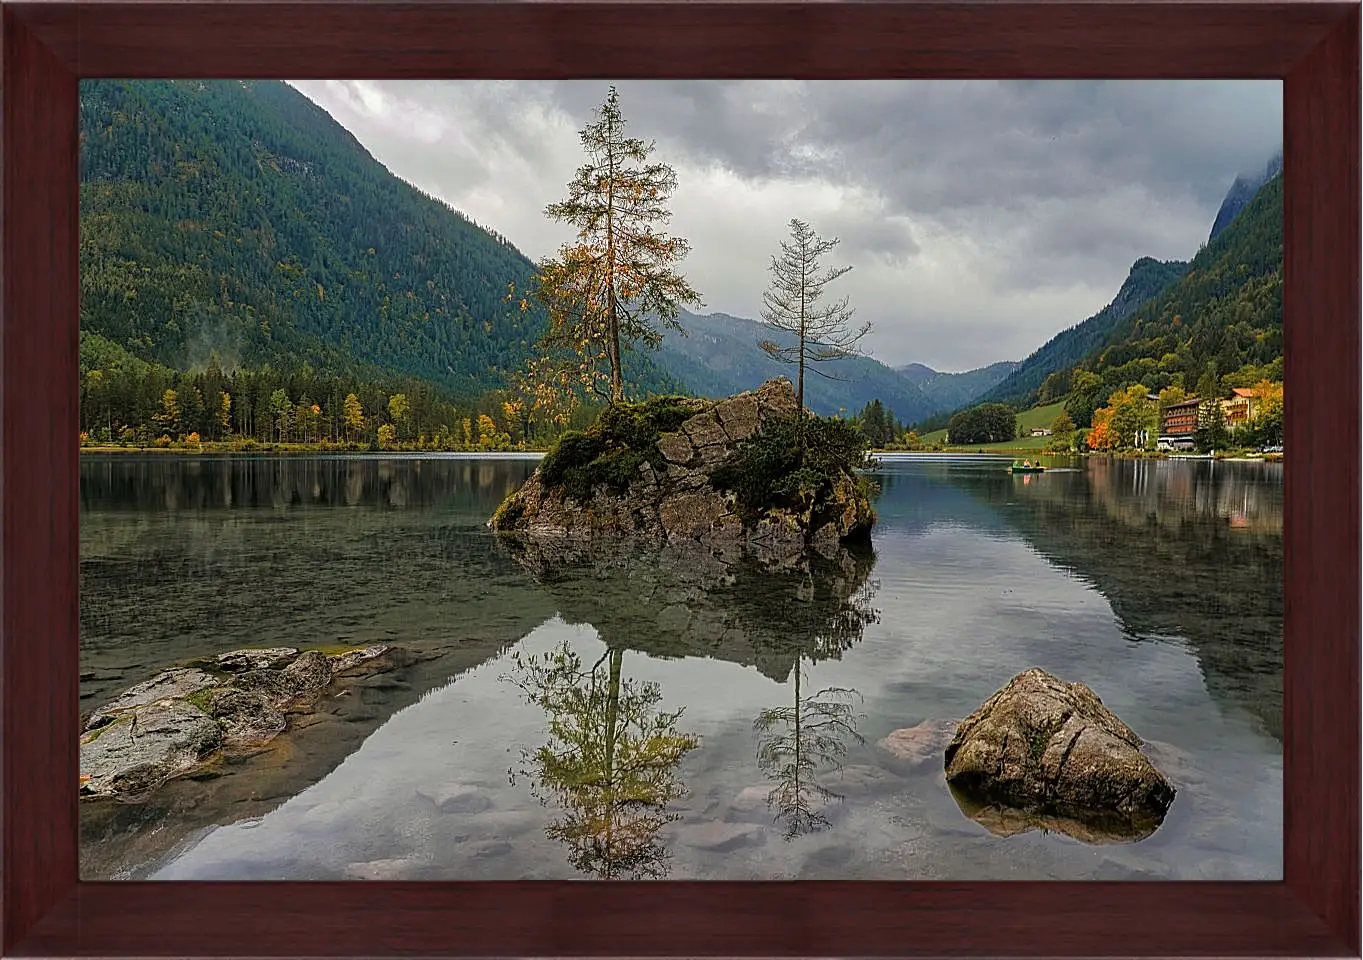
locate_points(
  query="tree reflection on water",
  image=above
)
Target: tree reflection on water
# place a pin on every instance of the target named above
(798, 742)
(610, 761)
(612, 753)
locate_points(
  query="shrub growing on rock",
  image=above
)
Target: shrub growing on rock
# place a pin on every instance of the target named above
(613, 448)
(793, 463)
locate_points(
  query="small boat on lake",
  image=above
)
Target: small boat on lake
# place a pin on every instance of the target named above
(1026, 466)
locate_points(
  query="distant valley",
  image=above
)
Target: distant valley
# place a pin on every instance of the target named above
(718, 355)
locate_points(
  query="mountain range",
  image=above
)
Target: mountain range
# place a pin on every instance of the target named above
(717, 355)
(951, 391)
(238, 220)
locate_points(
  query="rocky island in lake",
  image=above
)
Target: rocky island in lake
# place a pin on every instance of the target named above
(746, 470)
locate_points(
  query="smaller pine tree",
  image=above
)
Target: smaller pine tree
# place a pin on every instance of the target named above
(791, 304)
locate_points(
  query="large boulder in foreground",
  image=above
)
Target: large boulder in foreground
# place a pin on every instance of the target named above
(183, 719)
(682, 469)
(1044, 746)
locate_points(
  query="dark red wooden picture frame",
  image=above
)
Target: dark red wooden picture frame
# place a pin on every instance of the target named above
(48, 47)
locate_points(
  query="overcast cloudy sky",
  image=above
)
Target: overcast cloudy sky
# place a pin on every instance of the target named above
(980, 218)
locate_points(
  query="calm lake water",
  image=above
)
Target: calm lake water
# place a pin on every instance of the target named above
(1157, 583)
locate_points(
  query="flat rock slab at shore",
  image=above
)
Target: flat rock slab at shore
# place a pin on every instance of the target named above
(182, 720)
(166, 685)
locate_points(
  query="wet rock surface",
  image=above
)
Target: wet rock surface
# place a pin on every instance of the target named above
(266, 659)
(136, 750)
(671, 499)
(166, 685)
(1051, 753)
(186, 720)
(455, 798)
(389, 868)
(860, 780)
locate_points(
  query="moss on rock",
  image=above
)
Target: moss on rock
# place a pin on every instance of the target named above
(800, 464)
(611, 451)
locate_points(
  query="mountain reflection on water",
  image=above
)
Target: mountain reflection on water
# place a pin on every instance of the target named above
(686, 716)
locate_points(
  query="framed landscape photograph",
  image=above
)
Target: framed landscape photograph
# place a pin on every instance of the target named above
(839, 479)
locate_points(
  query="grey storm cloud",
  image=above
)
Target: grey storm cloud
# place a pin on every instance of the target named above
(980, 217)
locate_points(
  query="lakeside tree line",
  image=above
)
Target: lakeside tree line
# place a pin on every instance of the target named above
(129, 402)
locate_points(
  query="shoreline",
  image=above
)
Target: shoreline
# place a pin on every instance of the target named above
(1014, 453)
(314, 450)
(307, 450)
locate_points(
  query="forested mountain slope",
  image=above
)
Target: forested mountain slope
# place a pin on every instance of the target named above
(1223, 316)
(1109, 338)
(237, 218)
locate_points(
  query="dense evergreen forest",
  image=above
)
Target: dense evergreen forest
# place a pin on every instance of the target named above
(235, 225)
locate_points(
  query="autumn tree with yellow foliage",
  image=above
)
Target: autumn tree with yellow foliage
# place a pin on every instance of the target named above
(1266, 427)
(354, 415)
(1268, 397)
(614, 285)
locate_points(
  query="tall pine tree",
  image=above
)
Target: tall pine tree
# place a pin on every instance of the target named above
(606, 289)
